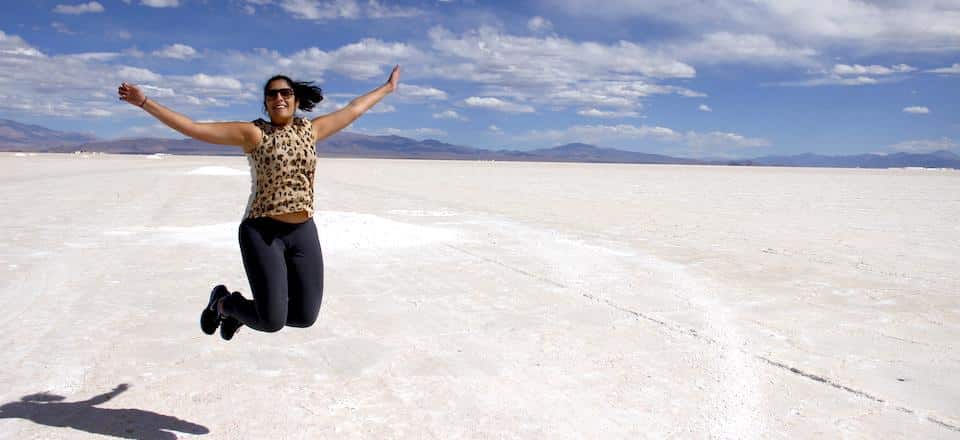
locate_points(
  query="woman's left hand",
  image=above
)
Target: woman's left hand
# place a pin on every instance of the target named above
(394, 79)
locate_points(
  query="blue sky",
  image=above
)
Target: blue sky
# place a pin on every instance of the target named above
(731, 78)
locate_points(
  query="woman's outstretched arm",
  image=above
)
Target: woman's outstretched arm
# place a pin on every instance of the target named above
(242, 134)
(331, 123)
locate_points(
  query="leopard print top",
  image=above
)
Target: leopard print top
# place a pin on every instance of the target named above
(283, 167)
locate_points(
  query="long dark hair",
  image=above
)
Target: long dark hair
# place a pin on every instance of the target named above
(307, 94)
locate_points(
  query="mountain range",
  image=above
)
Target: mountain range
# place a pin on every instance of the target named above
(15, 136)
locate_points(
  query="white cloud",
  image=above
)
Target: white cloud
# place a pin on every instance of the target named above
(375, 9)
(347, 9)
(705, 108)
(727, 47)
(137, 74)
(215, 82)
(158, 92)
(160, 3)
(596, 113)
(723, 139)
(856, 69)
(449, 114)
(337, 101)
(624, 134)
(415, 92)
(497, 104)
(925, 145)
(62, 28)
(382, 108)
(92, 79)
(553, 71)
(495, 129)
(177, 51)
(953, 70)
(539, 24)
(875, 25)
(91, 56)
(99, 112)
(490, 56)
(416, 133)
(603, 133)
(837, 80)
(361, 60)
(917, 110)
(83, 8)
(155, 130)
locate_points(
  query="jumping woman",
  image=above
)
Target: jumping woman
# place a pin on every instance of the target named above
(278, 238)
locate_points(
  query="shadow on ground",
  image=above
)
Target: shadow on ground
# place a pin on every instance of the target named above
(48, 409)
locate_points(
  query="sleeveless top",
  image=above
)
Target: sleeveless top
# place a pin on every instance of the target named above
(282, 169)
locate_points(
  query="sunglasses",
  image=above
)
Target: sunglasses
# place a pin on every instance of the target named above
(272, 93)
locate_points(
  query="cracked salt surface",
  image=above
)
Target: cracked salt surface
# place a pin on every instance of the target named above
(454, 311)
(339, 232)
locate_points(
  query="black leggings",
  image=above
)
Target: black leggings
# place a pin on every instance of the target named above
(284, 265)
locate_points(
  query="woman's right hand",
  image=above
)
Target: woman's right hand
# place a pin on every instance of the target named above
(131, 93)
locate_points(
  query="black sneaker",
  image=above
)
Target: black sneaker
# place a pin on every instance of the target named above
(210, 318)
(228, 326)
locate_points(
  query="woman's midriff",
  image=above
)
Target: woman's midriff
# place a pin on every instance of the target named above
(292, 217)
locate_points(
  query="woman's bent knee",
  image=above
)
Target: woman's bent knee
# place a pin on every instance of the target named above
(302, 321)
(272, 325)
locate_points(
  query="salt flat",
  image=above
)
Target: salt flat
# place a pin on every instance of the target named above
(487, 300)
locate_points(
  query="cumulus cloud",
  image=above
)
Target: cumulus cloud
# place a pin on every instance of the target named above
(539, 24)
(489, 56)
(83, 8)
(411, 92)
(926, 25)
(346, 9)
(62, 28)
(160, 3)
(723, 139)
(603, 134)
(337, 101)
(92, 78)
(952, 70)
(855, 75)
(705, 108)
(495, 129)
(856, 69)
(497, 104)
(727, 47)
(215, 82)
(553, 71)
(137, 74)
(597, 113)
(416, 133)
(925, 145)
(917, 110)
(625, 134)
(364, 59)
(176, 51)
(449, 114)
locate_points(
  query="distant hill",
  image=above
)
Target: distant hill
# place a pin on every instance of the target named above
(937, 159)
(15, 136)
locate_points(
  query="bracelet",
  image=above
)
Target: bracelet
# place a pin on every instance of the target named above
(144, 102)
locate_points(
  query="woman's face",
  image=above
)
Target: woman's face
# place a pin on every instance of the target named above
(280, 100)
